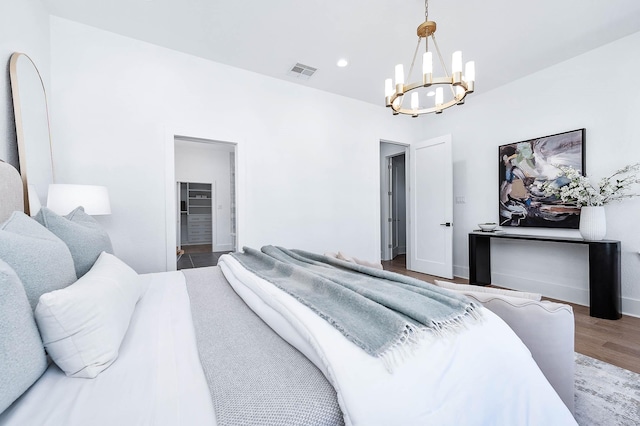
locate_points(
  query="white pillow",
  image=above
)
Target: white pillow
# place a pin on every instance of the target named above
(83, 325)
(357, 261)
(481, 289)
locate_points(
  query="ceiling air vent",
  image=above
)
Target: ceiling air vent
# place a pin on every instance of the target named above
(302, 71)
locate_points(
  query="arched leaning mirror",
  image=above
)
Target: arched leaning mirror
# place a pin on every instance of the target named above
(32, 130)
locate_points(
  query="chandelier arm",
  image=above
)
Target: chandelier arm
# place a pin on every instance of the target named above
(436, 109)
(397, 107)
(413, 61)
(436, 81)
(444, 65)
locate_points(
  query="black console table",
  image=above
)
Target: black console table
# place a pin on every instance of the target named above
(604, 268)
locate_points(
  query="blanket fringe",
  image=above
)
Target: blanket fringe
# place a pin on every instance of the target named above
(412, 336)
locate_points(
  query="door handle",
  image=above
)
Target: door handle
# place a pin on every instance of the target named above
(446, 224)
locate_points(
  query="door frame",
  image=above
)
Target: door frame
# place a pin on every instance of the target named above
(393, 203)
(384, 207)
(204, 134)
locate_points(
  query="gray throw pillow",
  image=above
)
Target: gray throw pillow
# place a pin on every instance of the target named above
(41, 260)
(83, 235)
(22, 358)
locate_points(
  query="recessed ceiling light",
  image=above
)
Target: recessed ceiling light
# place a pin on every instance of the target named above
(431, 93)
(342, 63)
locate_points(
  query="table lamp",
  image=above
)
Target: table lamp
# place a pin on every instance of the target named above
(63, 198)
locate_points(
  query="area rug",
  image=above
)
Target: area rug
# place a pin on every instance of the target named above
(606, 394)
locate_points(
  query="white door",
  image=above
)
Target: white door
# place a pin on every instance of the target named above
(431, 208)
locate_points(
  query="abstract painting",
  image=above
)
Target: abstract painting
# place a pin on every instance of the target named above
(524, 166)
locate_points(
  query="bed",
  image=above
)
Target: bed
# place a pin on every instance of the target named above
(226, 346)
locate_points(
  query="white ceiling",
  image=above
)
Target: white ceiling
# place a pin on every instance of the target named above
(507, 39)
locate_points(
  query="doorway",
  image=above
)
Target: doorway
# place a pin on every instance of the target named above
(398, 205)
(205, 201)
(427, 186)
(393, 202)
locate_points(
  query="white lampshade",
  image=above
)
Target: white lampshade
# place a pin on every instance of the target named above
(415, 101)
(399, 74)
(470, 71)
(439, 96)
(427, 63)
(388, 87)
(63, 198)
(456, 62)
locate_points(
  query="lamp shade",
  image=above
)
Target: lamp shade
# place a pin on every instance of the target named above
(63, 198)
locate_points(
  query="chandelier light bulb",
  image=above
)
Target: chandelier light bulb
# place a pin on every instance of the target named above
(388, 87)
(415, 101)
(470, 71)
(456, 63)
(427, 63)
(399, 74)
(439, 96)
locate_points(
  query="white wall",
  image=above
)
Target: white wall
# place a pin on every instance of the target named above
(591, 91)
(209, 163)
(308, 177)
(24, 27)
(114, 100)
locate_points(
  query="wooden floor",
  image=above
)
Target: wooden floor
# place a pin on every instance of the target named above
(198, 248)
(198, 256)
(616, 342)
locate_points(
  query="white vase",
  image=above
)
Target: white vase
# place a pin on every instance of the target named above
(593, 223)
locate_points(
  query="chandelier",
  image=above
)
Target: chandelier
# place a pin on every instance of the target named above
(459, 85)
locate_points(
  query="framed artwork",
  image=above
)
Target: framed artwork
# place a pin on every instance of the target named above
(523, 166)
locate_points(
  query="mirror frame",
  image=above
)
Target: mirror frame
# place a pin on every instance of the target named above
(17, 108)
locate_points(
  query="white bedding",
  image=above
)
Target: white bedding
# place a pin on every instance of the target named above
(482, 376)
(172, 392)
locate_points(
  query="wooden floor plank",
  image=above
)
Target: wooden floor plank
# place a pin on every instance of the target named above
(614, 341)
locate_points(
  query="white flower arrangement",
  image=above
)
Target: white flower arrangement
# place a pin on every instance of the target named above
(573, 188)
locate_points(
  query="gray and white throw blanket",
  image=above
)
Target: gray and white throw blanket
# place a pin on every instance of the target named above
(383, 313)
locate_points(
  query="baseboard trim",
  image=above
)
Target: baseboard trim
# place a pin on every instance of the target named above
(223, 247)
(630, 306)
(554, 290)
(461, 271)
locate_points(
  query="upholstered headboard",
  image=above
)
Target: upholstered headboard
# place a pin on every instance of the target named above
(11, 193)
